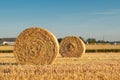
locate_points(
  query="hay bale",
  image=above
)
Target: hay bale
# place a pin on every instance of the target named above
(72, 46)
(36, 46)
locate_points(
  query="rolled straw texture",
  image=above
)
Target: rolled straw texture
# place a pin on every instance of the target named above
(36, 46)
(72, 46)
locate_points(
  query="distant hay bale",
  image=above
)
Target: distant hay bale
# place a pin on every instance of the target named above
(72, 46)
(36, 46)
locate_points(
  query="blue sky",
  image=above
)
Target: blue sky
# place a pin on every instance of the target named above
(86, 18)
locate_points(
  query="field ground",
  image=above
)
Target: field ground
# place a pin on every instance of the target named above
(95, 46)
(91, 66)
(6, 47)
(103, 46)
(101, 66)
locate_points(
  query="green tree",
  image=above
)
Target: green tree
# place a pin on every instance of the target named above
(91, 40)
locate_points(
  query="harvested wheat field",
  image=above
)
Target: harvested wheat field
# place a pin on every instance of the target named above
(91, 66)
(6, 47)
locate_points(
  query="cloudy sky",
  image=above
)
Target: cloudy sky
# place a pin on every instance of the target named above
(98, 19)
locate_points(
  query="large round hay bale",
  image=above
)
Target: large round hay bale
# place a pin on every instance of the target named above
(36, 46)
(72, 46)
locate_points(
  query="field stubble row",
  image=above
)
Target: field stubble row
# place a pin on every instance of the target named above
(89, 46)
(109, 70)
(101, 66)
(86, 58)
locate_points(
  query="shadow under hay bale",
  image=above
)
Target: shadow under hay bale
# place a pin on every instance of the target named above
(72, 46)
(36, 46)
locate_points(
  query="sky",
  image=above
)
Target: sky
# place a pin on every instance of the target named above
(98, 19)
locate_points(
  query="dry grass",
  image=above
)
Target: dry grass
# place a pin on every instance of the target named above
(101, 66)
(86, 58)
(101, 46)
(99, 71)
(6, 47)
(90, 66)
(95, 46)
(7, 58)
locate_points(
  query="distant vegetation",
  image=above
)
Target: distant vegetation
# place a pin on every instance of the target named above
(94, 41)
(87, 41)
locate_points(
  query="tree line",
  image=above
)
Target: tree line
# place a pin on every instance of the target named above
(93, 41)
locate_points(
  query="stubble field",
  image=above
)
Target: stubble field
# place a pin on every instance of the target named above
(91, 66)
